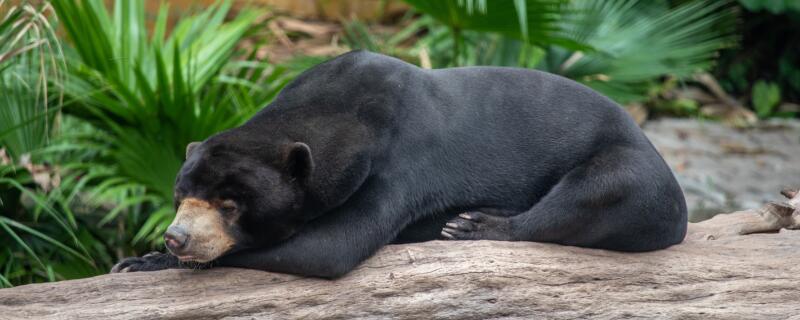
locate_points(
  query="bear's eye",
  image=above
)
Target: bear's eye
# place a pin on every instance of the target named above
(228, 206)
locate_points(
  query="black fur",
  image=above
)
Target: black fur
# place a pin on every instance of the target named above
(398, 152)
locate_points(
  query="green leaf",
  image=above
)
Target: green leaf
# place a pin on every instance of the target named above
(639, 41)
(534, 21)
(20, 242)
(4, 283)
(773, 6)
(30, 58)
(766, 96)
(147, 92)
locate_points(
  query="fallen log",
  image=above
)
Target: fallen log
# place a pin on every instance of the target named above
(743, 265)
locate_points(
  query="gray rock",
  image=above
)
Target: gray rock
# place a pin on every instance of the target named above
(723, 169)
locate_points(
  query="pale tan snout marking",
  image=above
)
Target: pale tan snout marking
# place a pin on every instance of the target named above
(208, 236)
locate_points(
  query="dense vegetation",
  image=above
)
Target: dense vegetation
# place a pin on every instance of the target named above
(99, 102)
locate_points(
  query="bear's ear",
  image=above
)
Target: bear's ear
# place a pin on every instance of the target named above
(298, 163)
(190, 148)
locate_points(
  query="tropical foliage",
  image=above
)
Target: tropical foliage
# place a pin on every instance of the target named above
(133, 99)
(30, 57)
(617, 47)
(766, 67)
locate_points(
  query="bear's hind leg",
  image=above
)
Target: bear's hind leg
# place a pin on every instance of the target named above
(622, 199)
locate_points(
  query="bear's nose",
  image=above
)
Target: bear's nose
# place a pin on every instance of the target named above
(175, 238)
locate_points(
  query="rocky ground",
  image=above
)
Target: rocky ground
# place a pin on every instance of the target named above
(724, 169)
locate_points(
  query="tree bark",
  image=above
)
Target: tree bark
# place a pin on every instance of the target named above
(744, 265)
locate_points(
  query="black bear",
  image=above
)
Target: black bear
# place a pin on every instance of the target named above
(366, 150)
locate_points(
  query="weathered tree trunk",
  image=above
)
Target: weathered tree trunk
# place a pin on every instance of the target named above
(737, 266)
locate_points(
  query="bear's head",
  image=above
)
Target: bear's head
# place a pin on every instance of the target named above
(232, 196)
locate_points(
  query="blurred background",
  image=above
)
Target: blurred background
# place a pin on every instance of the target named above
(98, 99)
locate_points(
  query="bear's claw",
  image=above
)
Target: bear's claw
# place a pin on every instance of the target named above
(477, 226)
(445, 233)
(152, 261)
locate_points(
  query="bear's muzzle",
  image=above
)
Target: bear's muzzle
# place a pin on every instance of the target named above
(198, 233)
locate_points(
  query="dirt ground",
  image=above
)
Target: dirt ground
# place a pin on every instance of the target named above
(723, 169)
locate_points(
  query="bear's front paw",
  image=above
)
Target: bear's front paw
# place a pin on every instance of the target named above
(478, 226)
(150, 262)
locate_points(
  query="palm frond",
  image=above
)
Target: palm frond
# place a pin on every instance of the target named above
(151, 93)
(533, 21)
(638, 41)
(30, 58)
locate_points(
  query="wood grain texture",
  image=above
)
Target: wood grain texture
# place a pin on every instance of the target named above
(720, 272)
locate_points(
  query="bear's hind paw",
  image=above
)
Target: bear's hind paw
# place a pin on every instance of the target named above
(477, 226)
